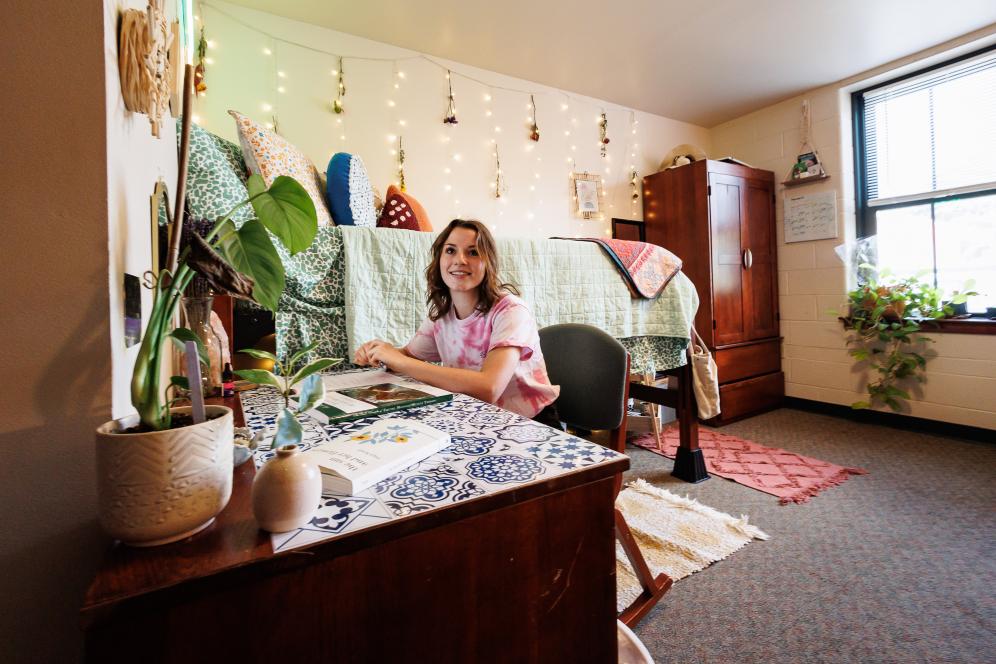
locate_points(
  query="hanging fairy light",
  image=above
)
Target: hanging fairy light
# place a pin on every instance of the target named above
(534, 134)
(340, 90)
(451, 117)
(603, 134)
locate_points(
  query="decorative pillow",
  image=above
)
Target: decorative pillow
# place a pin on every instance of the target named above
(216, 176)
(271, 156)
(401, 210)
(349, 193)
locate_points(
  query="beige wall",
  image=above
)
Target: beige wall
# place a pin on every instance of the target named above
(240, 76)
(961, 380)
(54, 337)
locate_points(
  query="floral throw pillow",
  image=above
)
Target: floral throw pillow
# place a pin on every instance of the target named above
(270, 155)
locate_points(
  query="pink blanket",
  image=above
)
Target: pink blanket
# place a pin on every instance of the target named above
(646, 268)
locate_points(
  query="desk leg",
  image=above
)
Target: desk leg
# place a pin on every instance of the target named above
(689, 464)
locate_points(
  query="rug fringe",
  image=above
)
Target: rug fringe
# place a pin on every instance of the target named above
(803, 495)
(740, 525)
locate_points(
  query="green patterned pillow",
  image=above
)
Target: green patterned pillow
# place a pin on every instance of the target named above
(216, 177)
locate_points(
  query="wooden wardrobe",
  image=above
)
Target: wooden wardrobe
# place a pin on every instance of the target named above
(719, 218)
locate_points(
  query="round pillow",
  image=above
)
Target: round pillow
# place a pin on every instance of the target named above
(348, 191)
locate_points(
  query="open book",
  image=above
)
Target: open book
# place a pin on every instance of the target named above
(349, 396)
(356, 461)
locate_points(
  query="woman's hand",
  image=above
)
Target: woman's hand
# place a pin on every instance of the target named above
(380, 352)
(384, 353)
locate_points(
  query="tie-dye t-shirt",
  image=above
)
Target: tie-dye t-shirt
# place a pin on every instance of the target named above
(465, 343)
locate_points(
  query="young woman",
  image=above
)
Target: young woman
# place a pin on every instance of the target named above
(480, 330)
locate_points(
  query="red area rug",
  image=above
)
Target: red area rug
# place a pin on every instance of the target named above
(794, 478)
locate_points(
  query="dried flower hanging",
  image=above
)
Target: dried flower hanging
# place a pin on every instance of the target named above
(276, 125)
(534, 128)
(340, 92)
(401, 164)
(499, 183)
(200, 87)
(634, 183)
(603, 131)
(451, 117)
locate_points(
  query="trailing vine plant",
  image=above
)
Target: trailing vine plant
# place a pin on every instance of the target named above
(885, 318)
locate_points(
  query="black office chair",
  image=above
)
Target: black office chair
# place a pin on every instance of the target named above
(592, 370)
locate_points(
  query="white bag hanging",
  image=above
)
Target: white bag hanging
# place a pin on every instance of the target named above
(705, 378)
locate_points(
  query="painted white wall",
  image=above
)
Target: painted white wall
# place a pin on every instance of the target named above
(136, 160)
(961, 379)
(448, 168)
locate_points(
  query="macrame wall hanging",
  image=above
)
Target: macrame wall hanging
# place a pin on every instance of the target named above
(143, 62)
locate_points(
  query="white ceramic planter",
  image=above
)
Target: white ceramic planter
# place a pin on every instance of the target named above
(159, 487)
(286, 491)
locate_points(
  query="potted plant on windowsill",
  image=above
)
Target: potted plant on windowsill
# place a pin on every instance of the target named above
(162, 477)
(885, 319)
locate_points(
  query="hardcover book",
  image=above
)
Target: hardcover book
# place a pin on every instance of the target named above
(356, 461)
(349, 396)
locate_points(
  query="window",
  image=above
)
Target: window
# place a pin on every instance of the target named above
(925, 171)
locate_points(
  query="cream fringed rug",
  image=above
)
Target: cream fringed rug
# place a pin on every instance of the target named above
(677, 535)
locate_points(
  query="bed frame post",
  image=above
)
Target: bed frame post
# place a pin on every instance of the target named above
(689, 464)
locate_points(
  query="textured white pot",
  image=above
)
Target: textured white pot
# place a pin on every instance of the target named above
(159, 487)
(286, 491)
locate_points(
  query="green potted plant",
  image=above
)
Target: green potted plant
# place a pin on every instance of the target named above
(310, 394)
(162, 477)
(885, 318)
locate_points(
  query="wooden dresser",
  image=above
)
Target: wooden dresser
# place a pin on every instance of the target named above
(720, 219)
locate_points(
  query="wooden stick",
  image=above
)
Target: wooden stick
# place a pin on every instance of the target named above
(181, 185)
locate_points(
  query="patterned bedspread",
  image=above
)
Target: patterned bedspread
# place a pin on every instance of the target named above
(385, 297)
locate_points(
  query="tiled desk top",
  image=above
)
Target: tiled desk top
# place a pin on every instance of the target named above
(492, 450)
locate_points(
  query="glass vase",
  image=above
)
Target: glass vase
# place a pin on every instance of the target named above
(197, 318)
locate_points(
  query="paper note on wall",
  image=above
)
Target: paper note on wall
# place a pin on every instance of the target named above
(811, 217)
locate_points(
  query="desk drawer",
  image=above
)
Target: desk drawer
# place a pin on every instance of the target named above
(749, 360)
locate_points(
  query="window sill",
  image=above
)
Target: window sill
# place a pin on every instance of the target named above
(961, 325)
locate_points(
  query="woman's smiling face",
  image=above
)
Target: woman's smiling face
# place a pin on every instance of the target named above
(461, 264)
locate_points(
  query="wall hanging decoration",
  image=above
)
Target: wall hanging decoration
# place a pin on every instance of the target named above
(274, 124)
(451, 117)
(588, 195)
(499, 184)
(533, 128)
(200, 87)
(603, 134)
(634, 185)
(807, 166)
(340, 91)
(143, 62)
(401, 163)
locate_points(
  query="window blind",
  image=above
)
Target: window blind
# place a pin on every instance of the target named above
(933, 134)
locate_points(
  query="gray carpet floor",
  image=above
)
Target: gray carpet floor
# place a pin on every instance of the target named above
(895, 566)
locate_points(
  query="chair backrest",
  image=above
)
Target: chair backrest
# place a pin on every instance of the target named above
(591, 368)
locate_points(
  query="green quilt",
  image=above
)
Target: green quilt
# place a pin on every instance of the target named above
(355, 284)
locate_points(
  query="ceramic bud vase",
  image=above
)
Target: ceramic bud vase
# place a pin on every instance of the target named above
(286, 491)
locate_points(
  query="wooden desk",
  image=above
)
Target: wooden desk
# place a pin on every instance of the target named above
(521, 574)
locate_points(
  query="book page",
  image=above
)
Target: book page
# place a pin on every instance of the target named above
(342, 381)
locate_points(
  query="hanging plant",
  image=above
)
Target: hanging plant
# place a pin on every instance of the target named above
(451, 117)
(603, 131)
(340, 92)
(401, 164)
(534, 128)
(200, 87)
(885, 318)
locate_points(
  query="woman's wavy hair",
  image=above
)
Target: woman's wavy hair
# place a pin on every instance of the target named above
(491, 289)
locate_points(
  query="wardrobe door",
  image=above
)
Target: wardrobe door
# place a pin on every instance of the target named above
(726, 210)
(760, 282)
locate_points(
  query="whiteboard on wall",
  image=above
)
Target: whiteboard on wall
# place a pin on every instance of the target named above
(811, 217)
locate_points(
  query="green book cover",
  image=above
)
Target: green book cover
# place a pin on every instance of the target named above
(350, 403)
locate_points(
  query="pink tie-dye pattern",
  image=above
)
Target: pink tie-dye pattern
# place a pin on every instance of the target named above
(466, 343)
